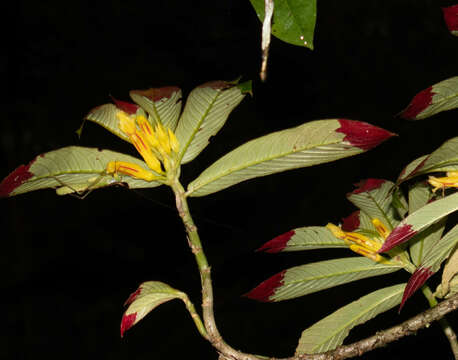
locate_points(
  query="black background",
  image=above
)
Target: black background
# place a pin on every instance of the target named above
(68, 264)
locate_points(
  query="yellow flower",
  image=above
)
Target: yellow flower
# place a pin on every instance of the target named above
(130, 169)
(362, 244)
(158, 147)
(451, 180)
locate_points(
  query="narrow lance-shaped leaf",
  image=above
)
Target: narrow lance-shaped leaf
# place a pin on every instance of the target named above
(444, 158)
(306, 279)
(420, 220)
(309, 144)
(207, 109)
(293, 22)
(162, 104)
(437, 98)
(148, 296)
(451, 18)
(419, 195)
(331, 331)
(431, 263)
(374, 197)
(70, 169)
(306, 238)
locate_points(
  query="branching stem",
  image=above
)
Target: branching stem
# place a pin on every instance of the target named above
(212, 334)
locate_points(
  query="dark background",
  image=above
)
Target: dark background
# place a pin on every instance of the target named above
(68, 265)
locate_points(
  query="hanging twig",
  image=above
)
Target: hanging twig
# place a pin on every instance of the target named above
(266, 31)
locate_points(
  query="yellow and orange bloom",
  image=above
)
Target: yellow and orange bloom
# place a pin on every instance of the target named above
(362, 244)
(158, 147)
(451, 180)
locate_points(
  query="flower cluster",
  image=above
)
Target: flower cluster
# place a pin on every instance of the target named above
(362, 244)
(158, 147)
(451, 180)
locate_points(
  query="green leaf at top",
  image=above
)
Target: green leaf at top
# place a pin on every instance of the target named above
(312, 143)
(207, 109)
(162, 104)
(71, 169)
(293, 20)
(331, 331)
(444, 158)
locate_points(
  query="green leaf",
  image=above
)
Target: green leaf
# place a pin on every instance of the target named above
(309, 144)
(441, 249)
(374, 197)
(71, 169)
(305, 238)
(435, 99)
(162, 104)
(331, 331)
(450, 272)
(207, 109)
(445, 158)
(293, 21)
(419, 195)
(146, 298)
(420, 220)
(307, 279)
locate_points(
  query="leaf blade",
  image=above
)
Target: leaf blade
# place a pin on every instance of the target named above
(146, 298)
(309, 144)
(293, 22)
(70, 168)
(207, 108)
(307, 279)
(331, 331)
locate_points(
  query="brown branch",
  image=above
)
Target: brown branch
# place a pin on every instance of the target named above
(385, 337)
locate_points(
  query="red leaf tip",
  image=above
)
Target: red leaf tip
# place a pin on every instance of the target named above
(419, 103)
(351, 222)
(367, 185)
(156, 94)
(15, 179)
(127, 322)
(125, 106)
(133, 296)
(277, 244)
(398, 236)
(417, 279)
(361, 134)
(267, 288)
(451, 17)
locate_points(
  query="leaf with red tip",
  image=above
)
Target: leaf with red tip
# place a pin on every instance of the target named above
(306, 238)
(146, 298)
(162, 104)
(416, 281)
(444, 158)
(312, 143)
(420, 220)
(351, 222)
(126, 106)
(440, 97)
(362, 134)
(451, 18)
(307, 279)
(374, 198)
(15, 180)
(69, 170)
(266, 289)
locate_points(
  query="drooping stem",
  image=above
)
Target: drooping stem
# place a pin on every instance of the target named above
(444, 324)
